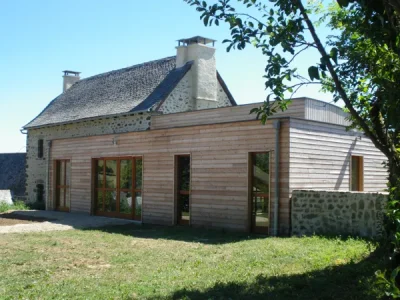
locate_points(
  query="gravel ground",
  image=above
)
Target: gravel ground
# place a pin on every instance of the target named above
(58, 221)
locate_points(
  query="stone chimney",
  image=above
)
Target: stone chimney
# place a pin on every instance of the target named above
(204, 70)
(70, 77)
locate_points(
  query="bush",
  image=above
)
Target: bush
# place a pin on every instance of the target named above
(18, 205)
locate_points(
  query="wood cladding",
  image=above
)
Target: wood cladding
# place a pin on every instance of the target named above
(221, 115)
(313, 155)
(320, 158)
(219, 168)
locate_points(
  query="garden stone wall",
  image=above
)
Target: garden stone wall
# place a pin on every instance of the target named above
(338, 213)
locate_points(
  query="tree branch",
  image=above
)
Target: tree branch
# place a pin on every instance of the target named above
(374, 138)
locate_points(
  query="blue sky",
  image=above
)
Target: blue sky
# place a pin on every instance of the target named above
(41, 38)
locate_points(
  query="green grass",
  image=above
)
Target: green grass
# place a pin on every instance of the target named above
(149, 262)
(18, 205)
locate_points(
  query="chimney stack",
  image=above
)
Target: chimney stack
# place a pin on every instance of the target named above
(204, 69)
(70, 77)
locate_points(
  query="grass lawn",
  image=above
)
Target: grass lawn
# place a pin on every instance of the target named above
(149, 262)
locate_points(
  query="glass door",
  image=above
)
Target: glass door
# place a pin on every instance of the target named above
(182, 164)
(259, 192)
(118, 187)
(63, 179)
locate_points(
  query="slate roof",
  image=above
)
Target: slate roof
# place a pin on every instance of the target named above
(12, 172)
(133, 89)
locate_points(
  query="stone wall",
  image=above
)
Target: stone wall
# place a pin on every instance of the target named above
(36, 167)
(337, 212)
(12, 173)
(181, 98)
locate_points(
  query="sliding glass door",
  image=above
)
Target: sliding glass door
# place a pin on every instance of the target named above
(118, 187)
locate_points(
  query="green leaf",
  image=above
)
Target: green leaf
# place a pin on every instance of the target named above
(205, 20)
(343, 3)
(253, 110)
(334, 54)
(313, 72)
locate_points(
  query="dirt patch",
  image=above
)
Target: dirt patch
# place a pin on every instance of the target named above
(8, 219)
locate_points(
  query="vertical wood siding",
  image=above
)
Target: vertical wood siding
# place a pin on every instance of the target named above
(324, 112)
(219, 157)
(221, 115)
(320, 157)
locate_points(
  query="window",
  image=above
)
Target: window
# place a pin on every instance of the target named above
(182, 190)
(40, 148)
(63, 181)
(118, 187)
(357, 173)
(259, 191)
(39, 193)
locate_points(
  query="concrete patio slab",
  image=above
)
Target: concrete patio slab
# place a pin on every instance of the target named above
(61, 221)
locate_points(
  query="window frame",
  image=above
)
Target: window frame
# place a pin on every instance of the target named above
(360, 187)
(133, 190)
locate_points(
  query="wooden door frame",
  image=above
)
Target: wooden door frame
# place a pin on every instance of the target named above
(360, 172)
(251, 226)
(176, 183)
(133, 190)
(56, 187)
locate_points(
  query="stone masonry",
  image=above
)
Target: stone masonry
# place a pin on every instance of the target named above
(337, 213)
(181, 98)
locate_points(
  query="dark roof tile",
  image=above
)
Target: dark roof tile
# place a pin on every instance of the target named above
(111, 93)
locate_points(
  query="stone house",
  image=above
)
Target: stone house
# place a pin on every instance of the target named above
(164, 142)
(12, 173)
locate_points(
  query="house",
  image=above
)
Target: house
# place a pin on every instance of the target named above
(12, 174)
(164, 142)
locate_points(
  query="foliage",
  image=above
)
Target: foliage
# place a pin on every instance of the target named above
(152, 262)
(359, 64)
(389, 282)
(18, 205)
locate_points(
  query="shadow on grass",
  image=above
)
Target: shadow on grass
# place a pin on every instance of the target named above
(351, 281)
(179, 233)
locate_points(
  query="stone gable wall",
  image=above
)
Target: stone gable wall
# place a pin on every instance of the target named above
(181, 98)
(338, 213)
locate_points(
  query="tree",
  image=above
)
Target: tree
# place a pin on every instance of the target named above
(359, 64)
